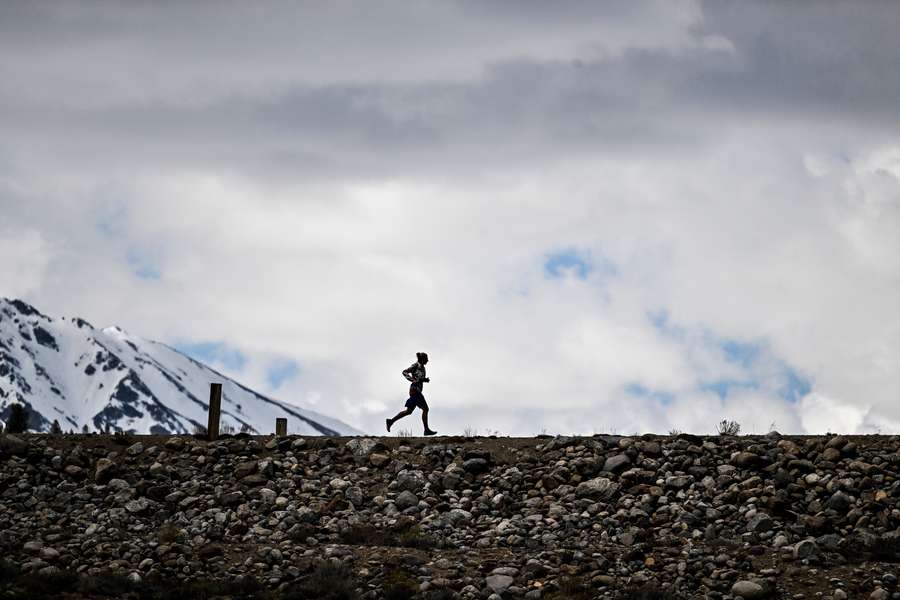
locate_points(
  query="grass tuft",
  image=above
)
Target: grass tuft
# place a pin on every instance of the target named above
(726, 427)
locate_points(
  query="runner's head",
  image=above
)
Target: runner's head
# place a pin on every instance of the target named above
(421, 357)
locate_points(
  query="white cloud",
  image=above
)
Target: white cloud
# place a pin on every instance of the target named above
(24, 255)
(820, 413)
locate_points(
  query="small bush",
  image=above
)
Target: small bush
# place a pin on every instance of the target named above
(726, 427)
(55, 428)
(329, 581)
(471, 432)
(646, 592)
(8, 571)
(168, 533)
(246, 428)
(159, 588)
(571, 588)
(399, 585)
(200, 431)
(226, 429)
(52, 585)
(299, 533)
(368, 535)
(107, 583)
(404, 433)
(414, 538)
(675, 431)
(364, 534)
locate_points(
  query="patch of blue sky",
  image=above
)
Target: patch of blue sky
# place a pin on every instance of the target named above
(642, 391)
(742, 353)
(281, 371)
(724, 387)
(661, 320)
(578, 263)
(112, 221)
(794, 384)
(141, 265)
(214, 353)
(568, 262)
(759, 368)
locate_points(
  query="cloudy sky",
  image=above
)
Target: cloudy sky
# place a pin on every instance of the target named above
(594, 217)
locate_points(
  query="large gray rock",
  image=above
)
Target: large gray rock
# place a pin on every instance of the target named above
(33, 547)
(746, 460)
(475, 465)
(137, 506)
(805, 549)
(499, 583)
(355, 495)
(413, 481)
(760, 523)
(363, 446)
(245, 469)
(104, 471)
(458, 516)
(11, 445)
(377, 459)
(616, 463)
(748, 590)
(599, 488)
(679, 482)
(840, 502)
(406, 499)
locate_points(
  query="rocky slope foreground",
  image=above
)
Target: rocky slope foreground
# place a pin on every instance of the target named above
(680, 517)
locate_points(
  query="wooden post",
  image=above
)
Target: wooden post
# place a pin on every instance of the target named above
(280, 427)
(215, 407)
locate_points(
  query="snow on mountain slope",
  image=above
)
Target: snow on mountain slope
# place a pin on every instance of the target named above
(67, 370)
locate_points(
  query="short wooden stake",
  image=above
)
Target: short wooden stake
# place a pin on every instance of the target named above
(280, 427)
(215, 407)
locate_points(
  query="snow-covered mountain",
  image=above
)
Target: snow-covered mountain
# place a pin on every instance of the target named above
(67, 370)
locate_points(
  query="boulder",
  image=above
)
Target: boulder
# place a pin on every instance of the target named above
(379, 460)
(475, 465)
(805, 549)
(362, 447)
(406, 499)
(760, 523)
(244, 469)
(617, 463)
(11, 445)
(839, 502)
(104, 471)
(746, 460)
(413, 481)
(599, 488)
(499, 583)
(748, 590)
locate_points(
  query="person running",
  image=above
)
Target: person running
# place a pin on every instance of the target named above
(415, 374)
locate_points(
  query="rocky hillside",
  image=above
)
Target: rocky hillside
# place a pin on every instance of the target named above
(107, 379)
(601, 517)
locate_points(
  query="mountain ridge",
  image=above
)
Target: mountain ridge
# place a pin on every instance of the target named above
(70, 371)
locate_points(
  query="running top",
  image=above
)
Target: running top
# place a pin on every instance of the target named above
(416, 375)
